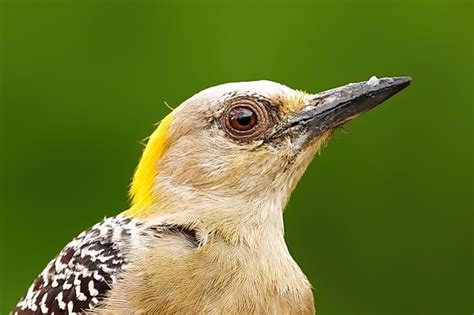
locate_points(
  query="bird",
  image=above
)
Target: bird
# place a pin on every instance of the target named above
(204, 233)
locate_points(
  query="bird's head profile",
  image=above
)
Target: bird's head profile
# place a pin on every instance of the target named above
(231, 155)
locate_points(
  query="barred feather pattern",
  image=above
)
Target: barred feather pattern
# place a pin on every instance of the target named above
(80, 276)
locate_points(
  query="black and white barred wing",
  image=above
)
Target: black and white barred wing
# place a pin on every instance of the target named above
(80, 276)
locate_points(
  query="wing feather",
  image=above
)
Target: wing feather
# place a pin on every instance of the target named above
(83, 272)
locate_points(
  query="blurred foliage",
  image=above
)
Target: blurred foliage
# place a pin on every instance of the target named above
(381, 222)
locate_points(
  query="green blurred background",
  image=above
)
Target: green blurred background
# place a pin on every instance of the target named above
(382, 221)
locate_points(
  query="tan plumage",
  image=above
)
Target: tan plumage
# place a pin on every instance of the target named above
(205, 231)
(233, 194)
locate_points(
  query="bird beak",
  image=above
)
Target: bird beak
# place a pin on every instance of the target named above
(331, 109)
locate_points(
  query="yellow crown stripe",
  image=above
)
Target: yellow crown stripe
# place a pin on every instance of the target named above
(141, 189)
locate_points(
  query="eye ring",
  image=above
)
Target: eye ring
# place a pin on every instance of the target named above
(245, 119)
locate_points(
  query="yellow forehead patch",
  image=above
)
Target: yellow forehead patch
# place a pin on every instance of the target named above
(292, 103)
(141, 189)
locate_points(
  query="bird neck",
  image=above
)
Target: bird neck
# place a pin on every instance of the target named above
(240, 243)
(249, 220)
(238, 256)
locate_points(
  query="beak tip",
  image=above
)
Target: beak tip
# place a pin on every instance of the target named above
(387, 86)
(389, 81)
(402, 81)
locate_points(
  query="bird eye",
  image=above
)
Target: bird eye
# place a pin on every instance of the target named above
(245, 119)
(242, 118)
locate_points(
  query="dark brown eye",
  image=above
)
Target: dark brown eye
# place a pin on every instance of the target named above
(242, 118)
(246, 119)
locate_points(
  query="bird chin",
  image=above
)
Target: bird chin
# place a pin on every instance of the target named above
(309, 144)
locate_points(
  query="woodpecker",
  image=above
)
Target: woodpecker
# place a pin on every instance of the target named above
(204, 233)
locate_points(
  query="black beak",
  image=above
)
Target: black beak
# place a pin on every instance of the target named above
(331, 109)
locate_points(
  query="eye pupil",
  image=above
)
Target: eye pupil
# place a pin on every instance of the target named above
(242, 118)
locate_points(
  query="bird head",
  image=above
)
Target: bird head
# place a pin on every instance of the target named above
(237, 150)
